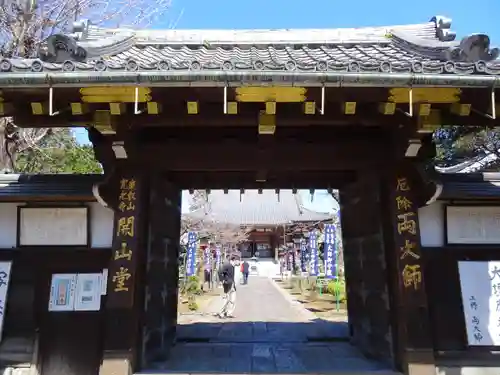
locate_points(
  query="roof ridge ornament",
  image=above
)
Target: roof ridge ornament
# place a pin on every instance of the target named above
(80, 29)
(473, 48)
(59, 48)
(443, 25)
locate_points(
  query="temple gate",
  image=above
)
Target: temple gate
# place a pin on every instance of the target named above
(336, 109)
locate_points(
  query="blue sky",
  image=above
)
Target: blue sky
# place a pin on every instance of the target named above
(468, 16)
(479, 16)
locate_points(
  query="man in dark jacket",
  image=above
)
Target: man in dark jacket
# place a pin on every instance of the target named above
(245, 269)
(226, 276)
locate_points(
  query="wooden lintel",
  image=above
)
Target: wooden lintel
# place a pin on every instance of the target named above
(340, 154)
(283, 118)
(273, 180)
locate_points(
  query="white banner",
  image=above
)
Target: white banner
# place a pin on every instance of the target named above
(5, 268)
(62, 292)
(480, 284)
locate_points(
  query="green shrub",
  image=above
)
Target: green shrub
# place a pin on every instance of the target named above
(192, 285)
(193, 305)
(337, 288)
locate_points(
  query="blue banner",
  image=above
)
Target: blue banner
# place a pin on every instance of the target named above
(313, 261)
(303, 255)
(191, 254)
(330, 252)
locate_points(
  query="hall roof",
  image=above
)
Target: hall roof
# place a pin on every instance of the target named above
(254, 208)
(428, 48)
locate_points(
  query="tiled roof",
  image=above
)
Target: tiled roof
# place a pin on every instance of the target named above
(15, 187)
(476, 164)
(471, 186)
(427, 48)
(256, 209)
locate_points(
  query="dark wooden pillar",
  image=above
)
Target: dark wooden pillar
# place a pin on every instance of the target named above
(162, 273)
(387, 303)
(124, 290)
(365, 268)
(414, 351)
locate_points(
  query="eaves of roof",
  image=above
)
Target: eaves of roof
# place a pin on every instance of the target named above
(57, 187)
(470, 186)
(394, 56)
(471, 166)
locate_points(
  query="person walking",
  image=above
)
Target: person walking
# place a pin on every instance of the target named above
(226, 276)
(245, 270)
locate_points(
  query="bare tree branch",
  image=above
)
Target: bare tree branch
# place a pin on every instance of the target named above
(25, 24)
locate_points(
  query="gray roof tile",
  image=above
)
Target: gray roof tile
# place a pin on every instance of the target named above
(256, 209)
(423, 48)
(470, 185)
(15, 187)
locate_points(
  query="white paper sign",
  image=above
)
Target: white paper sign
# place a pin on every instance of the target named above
(4, 288)
(480, 284)
(88, 292)
(62, 292)
(104, 282)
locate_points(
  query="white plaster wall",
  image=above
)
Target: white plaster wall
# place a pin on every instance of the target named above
(8, 225)
(101, 225)
(431, 220)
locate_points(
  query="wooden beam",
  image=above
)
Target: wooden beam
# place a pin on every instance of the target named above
(278, 180)
(163, 120)
(343, 154)
(283, 118)
(304, 134)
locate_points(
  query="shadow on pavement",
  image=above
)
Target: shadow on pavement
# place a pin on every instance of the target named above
(316, 346)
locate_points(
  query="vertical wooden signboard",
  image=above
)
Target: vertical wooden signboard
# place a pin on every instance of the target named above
(413, 310)
(123, 264)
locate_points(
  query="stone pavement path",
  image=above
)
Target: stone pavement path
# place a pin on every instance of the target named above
(267, 335)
